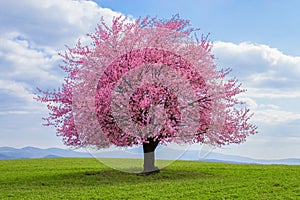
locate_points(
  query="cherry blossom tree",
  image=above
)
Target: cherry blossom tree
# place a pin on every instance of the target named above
(146, 82)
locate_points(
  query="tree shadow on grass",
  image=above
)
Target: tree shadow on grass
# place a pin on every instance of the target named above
(107, 176)
(115, 177)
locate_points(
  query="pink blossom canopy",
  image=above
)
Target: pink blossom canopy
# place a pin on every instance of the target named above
(144, 79)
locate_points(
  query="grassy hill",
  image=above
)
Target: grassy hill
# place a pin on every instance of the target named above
(86, 178)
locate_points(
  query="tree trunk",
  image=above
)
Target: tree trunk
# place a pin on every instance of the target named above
(149, 156)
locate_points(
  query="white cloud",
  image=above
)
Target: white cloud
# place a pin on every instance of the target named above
(20, 90)
(275, 112)
(20, 60)
(273, 93)
(52, 22)
(14, 112)
(259, 65)
(31, 34)
(274, 116)
(268, 113)
(18, 99)
(272, 80)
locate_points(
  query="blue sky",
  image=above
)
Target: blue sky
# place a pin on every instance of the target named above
(258, 39)
(266, 21)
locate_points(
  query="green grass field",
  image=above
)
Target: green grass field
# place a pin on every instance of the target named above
(89, 179)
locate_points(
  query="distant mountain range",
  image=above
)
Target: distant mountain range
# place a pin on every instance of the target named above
(7, 153)
(33, 152)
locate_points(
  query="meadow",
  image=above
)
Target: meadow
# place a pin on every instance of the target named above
(86, 178)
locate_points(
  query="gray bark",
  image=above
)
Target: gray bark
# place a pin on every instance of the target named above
(149, 156)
